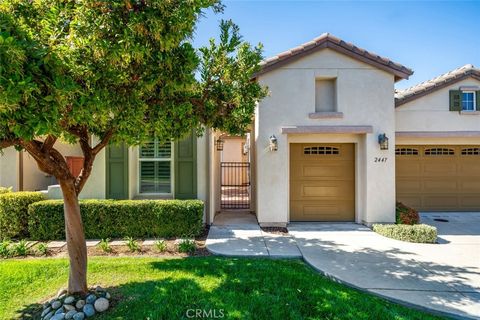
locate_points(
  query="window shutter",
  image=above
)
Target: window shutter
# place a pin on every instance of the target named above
(117, 171)
(185, 166)
(477, 94)
(455, 100)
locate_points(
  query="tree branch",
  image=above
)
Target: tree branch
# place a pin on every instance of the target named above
(8, 143)
(49, 142)
(104, 142)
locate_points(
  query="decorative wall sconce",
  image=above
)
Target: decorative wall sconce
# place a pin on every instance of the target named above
(219, 144)
(383, 141)
(273, 143)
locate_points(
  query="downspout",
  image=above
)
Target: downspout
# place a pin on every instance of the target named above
(207, 169)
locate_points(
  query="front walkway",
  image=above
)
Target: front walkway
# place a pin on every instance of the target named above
(238, 234)
(441, 277)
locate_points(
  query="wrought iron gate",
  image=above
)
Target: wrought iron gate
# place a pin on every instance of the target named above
(235, 185)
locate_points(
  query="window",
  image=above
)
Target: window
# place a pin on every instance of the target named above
(325, 95)
(468, 100)
(321, 150)
(406, 152)
(155, 167)
(471, 152)
(439, 152)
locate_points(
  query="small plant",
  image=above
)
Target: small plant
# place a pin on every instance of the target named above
(5, 250)
(187, 246)
(104, 245)
(21, 248)
(161, 245)
(132, 244)
(42, 249)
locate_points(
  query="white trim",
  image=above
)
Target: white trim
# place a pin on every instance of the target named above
(474, 98)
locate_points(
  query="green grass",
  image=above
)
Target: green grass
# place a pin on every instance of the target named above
(152, 288)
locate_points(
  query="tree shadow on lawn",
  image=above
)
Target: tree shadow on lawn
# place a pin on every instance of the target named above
(242, 289)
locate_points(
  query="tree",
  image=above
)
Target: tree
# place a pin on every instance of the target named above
(120, 71)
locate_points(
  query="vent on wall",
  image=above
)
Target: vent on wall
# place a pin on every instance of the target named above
(406, 152)
(321, 150)
(439, 152)
(471, 152)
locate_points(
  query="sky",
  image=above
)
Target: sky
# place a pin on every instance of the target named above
(428, 37)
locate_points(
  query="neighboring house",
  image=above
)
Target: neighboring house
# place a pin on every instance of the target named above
(317, 149)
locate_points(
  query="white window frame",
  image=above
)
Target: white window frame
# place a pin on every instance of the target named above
(474, 101)
(172, 172)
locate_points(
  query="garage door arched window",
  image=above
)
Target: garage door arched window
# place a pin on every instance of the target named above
(471, 152)
(321, 150)
(406, 152)
(439, 152)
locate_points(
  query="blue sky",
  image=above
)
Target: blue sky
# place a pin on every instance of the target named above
(429, 37)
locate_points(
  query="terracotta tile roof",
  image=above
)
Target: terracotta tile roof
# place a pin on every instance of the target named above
(426, 87)
(327, 40)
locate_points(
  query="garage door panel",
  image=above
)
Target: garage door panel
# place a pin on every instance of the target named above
(446, 182)
(322, 182)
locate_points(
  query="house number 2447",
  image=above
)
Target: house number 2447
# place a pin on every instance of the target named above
(380, 159)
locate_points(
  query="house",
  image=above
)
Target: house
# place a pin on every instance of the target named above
(333, 141)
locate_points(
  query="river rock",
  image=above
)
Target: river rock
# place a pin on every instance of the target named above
(68, 307)
(59, 316)
(89, 310)
(70, 314)
(91, 298)
(79, 316)
(45, 312)
(79, 305)
(56, 304)
(101, 304)
(69, 300)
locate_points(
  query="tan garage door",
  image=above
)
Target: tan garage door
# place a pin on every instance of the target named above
(322, 182)
(439, 178)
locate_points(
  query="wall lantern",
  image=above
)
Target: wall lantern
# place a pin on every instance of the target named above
(273, 143)
(219, 144)
(383, 141)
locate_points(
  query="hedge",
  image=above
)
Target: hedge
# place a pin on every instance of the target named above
(119, 218)
(420, 233)
(5, 190)
(14, 213)
(406, 215)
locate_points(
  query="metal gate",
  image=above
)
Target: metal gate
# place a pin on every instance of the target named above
(235, 185)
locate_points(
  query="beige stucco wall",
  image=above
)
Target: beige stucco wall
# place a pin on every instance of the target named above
(364, 96)
(431, 112)
(9, 163)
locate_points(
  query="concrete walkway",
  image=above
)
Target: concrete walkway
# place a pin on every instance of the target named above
(444, 277)
(238, 234)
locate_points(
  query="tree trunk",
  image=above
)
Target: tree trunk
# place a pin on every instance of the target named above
(77, 249)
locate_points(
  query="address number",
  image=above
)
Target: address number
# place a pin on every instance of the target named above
(377, 159)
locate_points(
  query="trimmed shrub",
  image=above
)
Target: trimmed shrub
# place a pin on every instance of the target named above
(5, 190)
(420, 233)
(119, 219)
(406, 215)
(14, 213)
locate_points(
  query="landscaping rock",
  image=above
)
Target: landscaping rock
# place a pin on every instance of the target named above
(59, 316)
(79, 305)
(79, 316)
(101, 304)
(99, 289)
(56, 304)
(46, 311)
(89, 310)
(48, 316)
(108, 296)
(69, 300)
(70, 314)
(60, 310)
(91, 299)
(68, 307)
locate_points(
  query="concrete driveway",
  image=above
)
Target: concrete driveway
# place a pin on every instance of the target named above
(444, 277)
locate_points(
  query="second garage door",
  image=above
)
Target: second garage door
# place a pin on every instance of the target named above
(322, 182)
(439, 178)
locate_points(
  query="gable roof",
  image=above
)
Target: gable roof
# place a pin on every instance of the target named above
(429, 86)
(327, 40)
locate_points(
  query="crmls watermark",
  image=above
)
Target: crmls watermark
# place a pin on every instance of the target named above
(205, 314)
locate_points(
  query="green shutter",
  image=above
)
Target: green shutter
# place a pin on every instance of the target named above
(117, 171)
(455, 100)
(185, 166)
(477, 94)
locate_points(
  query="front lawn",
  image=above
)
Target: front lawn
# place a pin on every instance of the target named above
(153, 288)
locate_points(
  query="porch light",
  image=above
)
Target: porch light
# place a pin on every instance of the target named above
(219, 144)
(273, 143)
(383, 141)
